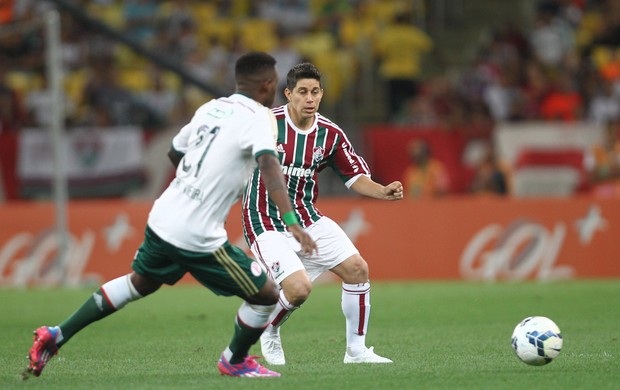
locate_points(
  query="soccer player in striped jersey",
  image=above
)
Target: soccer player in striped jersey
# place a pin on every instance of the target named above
(307, 142)
(214, 154)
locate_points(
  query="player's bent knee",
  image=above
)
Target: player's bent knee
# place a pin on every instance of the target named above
(296, 287)
(268, 295)
(361, 271)
(353, 270)
(298, 293)
(143, 284)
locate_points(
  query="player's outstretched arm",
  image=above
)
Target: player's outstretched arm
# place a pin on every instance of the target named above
(364, 185)
(276, 187)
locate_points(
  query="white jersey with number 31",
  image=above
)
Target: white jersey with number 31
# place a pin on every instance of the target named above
(220, 146)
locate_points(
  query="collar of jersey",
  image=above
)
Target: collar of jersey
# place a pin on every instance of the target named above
(243, 94)
(297, 129)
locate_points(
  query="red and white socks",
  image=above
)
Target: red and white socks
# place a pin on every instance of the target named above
(356, 309)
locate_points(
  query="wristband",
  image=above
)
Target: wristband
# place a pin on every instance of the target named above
(290, 218)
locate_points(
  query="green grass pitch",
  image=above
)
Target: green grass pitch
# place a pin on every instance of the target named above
(441, 335)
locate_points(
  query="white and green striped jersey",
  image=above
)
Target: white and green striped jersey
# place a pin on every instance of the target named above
(302, 154)
(219, 148)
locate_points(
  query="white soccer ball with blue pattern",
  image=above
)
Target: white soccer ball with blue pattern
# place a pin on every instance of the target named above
(537, 340)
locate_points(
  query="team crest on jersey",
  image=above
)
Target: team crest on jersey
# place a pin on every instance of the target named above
(317, 153)
(256, 269)
(275, 267)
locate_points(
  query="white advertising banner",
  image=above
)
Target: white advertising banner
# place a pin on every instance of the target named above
(111, 157)
(511, 138)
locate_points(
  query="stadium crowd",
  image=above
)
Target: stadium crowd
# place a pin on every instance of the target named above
(108, 84)
(565, 66)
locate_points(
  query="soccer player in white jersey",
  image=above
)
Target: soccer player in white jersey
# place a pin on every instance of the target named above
(308, 142)
(215, 154)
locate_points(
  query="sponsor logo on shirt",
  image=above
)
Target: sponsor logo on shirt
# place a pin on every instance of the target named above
(297, 171)
(349, 158)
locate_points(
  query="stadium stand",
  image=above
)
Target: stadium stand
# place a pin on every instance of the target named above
(486, 69)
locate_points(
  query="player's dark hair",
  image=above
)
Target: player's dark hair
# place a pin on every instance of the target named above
(252, 63)
(304, 70)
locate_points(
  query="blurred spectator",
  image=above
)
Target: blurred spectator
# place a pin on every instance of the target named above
(357, 27)
(605, 104)
(506, 51)
(479, 122)
(610, 70)
(286, 56)
(73, 48)
(38, 104)
(503, 97)
(514, 42)
(426, 176)
(160, 100)
(7, 9)
(447, 104)
(418, 111)
(212, 65)
(106, 102)
(603, 29)
(141, 19)
(258, 34)
(291, 15)
(399, 49)
(21, 42)
(337, 61)
(552, 37)
(340, 67)
(315, 42)
(491, 176)
(536, 87)
(477, 76)
(564, 102)
(175, 15)
(184, 42)
(603, 163)
(332, 13)
(572, 10)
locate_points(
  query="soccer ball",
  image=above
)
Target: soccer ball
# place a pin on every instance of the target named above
(537, 341)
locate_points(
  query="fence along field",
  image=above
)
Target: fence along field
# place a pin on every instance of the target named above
(461, 238)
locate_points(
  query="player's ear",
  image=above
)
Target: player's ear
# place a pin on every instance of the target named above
(267, 84)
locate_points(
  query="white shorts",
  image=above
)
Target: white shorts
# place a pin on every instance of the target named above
(281, 254)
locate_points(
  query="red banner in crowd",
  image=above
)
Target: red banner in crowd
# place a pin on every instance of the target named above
(461, 238)
(386, 151)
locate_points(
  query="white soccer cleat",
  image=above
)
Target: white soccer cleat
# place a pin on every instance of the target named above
(271, 347)
(368, 356)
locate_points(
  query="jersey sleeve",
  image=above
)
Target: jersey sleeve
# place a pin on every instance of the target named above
(259, 135)
(348, 164)
(180, 142)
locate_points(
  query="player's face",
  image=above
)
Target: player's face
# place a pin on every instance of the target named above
(304, 99)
